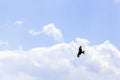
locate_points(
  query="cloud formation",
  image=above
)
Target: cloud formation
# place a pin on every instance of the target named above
(49, 30)
(59, 62)
(34, 33)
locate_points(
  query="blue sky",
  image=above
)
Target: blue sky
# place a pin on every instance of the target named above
(39, 39)
(96, 20)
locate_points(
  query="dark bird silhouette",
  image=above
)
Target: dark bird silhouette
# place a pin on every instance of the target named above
(80, 51)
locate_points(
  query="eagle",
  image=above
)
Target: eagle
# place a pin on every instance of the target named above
(80, 51)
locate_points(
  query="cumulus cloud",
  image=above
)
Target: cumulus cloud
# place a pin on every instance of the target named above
(59, 62)
(49, 30)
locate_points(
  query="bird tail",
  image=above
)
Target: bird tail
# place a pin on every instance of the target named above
(83, 52)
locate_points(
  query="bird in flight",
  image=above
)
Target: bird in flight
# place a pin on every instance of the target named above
(80, 51)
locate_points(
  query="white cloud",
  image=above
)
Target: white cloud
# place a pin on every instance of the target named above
(59, 62)
(49, 30)
(12, 24)
(34, 33)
